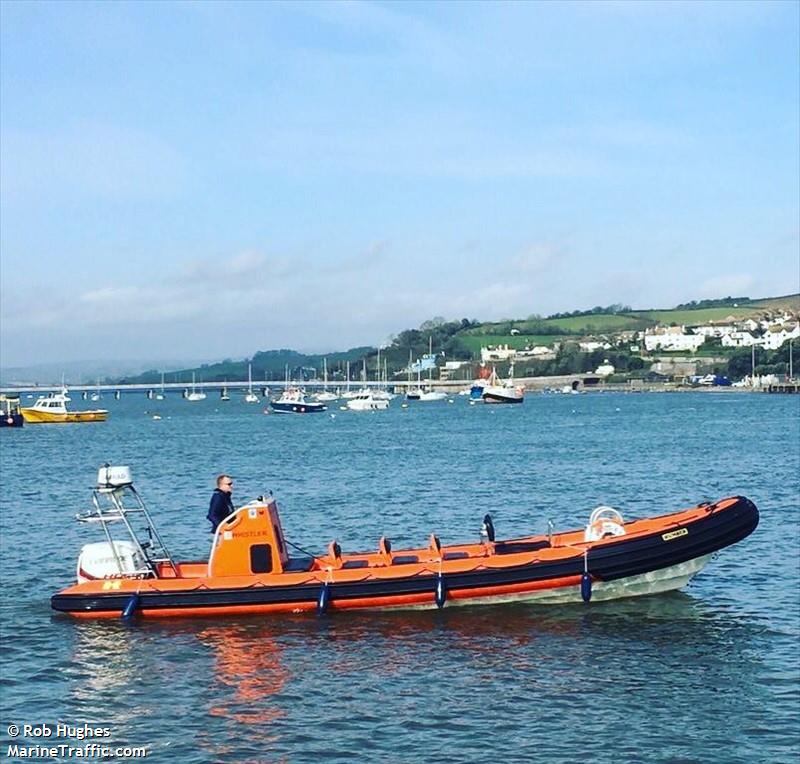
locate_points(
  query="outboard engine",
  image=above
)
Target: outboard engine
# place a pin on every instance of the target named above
(100, 560)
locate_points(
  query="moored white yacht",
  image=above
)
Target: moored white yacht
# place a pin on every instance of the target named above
(366, 401)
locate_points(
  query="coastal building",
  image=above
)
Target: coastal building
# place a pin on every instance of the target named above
(496, 353)
(421, 364)
(590, 346)
(450, 369)
(714, 330)
(674, 368)
(672, 338)
(776, 335)
(538, 352)
(739, 340)
(605, 369)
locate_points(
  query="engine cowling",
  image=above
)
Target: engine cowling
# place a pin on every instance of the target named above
(99, 561)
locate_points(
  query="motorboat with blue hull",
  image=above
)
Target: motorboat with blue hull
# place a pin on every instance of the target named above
(10, 412)
(294, 401)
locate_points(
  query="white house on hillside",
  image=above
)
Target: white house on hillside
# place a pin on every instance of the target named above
(672, 338)
(739, 340)
(590, 346)
(497, 353)
(713, 330)
(777, 335)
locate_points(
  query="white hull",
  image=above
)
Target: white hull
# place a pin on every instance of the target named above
(360, 404)
(432, 396)
(196, 397)
(326, 397)
(656, 582)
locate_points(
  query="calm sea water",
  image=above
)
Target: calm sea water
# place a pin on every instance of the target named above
(710, 674)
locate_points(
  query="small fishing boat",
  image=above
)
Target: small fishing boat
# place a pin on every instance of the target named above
(250, 569)
(52, 409)
(502, 391)
(10, 414)
(293, 401)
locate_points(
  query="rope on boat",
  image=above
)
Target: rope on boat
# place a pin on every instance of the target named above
(304, 551)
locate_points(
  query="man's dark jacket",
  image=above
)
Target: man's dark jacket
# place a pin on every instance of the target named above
(220, 507)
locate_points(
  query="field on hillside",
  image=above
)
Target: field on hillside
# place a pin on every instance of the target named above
(600, 322)
(788, 302)
(694, 317)
(474, 342)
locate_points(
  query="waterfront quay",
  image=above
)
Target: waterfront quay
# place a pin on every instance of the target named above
(576, 382)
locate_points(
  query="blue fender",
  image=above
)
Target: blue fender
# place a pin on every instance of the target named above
(131, 606)
(586, 586)
(441, 591)
(324, 599)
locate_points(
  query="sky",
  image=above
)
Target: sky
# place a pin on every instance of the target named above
(206, 180)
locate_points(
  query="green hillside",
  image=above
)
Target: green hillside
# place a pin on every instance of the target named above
(694, 317)
(462, 340)
(599, 323)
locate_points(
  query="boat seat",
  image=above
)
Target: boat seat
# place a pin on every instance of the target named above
(455, 555)
(385, 550)
(355, 564)
(404, 559)
(298, 564)
(514, 547)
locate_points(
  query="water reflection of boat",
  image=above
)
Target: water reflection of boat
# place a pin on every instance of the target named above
(254, 677)
(52, 409)
(250, 570)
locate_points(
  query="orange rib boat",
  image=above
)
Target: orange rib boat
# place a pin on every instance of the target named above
(250, 570)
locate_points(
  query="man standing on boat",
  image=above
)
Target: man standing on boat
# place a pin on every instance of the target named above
(221, 503)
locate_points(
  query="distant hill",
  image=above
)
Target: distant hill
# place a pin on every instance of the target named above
(455, 340)
(84, 372)
(267, 366)
(462, 340)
